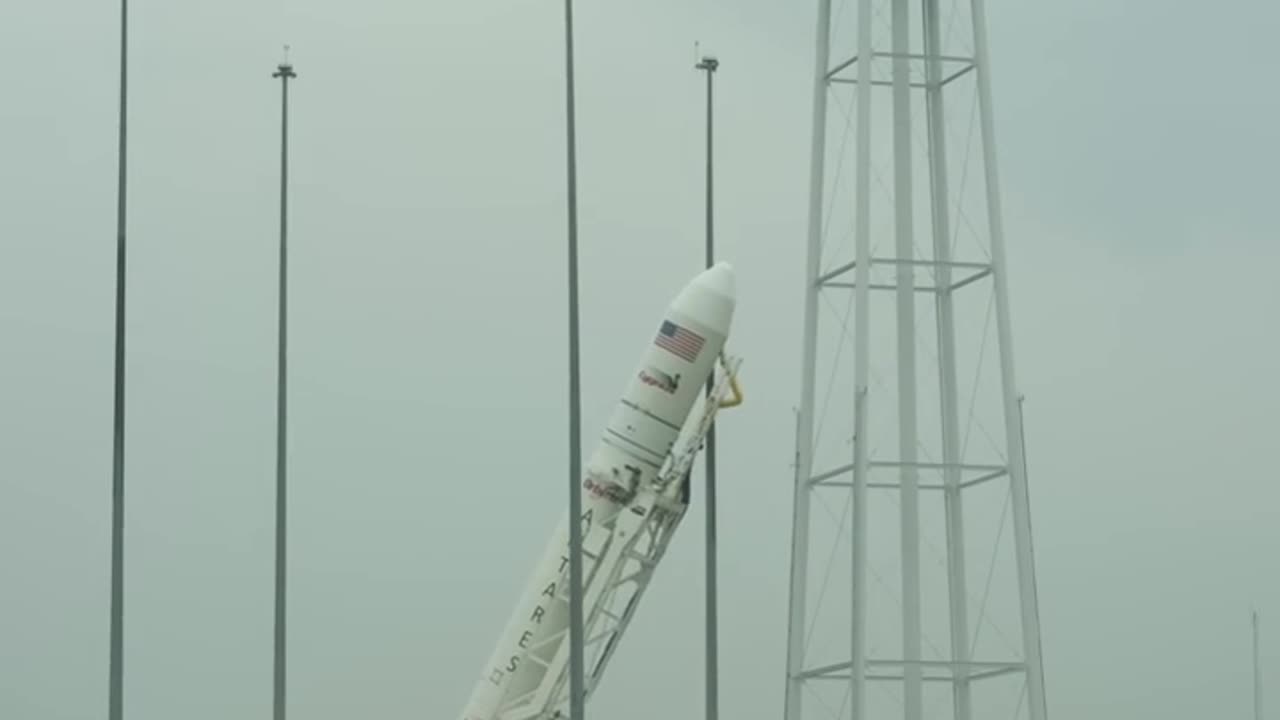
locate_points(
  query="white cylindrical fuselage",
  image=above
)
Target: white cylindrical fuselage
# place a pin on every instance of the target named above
(641, 433)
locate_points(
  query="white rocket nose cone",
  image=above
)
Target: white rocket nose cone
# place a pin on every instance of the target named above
(710, 298)
(719, 279)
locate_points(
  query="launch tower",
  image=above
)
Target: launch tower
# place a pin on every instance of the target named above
(913, 585)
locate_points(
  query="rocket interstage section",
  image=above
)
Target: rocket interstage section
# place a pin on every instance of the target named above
(630, 509)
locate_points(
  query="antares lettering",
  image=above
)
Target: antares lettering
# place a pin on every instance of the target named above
(547, 595)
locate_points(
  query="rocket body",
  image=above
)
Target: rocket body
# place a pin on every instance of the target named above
(642, 431)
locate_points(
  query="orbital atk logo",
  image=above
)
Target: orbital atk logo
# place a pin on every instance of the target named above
(662, 381)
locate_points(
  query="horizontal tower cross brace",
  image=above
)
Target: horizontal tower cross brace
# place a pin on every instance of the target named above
(942, 670)
(967, 62)
(978, 272)
(989, 472)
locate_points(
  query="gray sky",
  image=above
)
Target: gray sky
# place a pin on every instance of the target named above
(1137, 151)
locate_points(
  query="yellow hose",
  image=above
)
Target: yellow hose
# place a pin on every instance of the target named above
(737, 394)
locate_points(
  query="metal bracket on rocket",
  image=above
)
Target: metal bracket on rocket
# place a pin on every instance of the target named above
(668, 481)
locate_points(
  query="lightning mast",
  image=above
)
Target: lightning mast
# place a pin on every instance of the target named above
(918, 436)
(284, 71)
(115, 663)
(577, 641)
(709, 65)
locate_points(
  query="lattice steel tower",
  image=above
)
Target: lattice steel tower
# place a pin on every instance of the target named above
(926, 607)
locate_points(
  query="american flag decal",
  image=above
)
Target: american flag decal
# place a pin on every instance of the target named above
(684, 344)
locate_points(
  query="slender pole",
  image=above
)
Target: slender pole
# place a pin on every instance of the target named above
(710, 64)
(858, 646)
(116, 692)
(1038, 669)
(1257, 672)
(284, 71)
(908, 425)
(576, 645)
(949, 406)
(797, 600)
(1028, 599)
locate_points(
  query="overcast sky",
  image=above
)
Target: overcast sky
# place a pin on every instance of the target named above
(1137, 149)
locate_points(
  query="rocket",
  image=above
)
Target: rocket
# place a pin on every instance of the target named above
(633, 496)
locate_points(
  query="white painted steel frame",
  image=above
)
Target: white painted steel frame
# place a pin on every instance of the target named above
(962, 670)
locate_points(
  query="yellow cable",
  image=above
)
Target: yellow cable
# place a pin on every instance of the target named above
(737, 394)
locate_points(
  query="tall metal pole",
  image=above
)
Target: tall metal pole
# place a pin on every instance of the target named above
(948, 385)
(908, 429)
(284, 71)
(577, 663)
(1009, 385)
(710, 64)
(1257, 672)
(858, 563)
(115, 702)
(798, 596)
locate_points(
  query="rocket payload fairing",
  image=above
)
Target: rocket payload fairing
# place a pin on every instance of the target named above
(636, 467)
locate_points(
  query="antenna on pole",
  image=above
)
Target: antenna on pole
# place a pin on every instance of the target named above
(115, 702)
(709, 65)
(285, 72)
